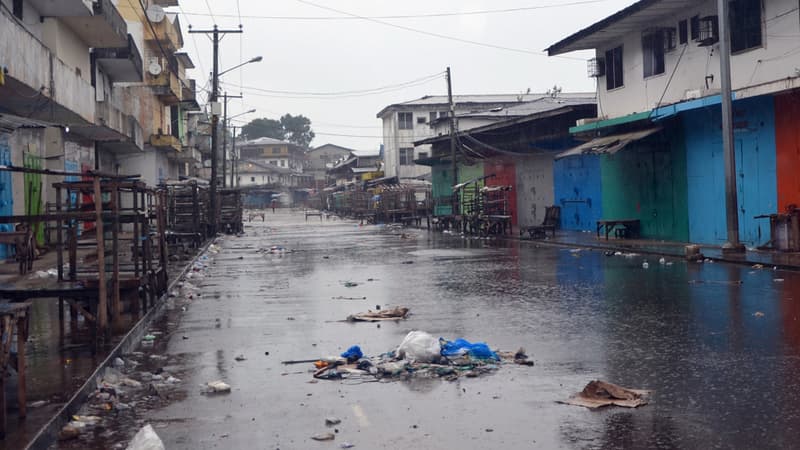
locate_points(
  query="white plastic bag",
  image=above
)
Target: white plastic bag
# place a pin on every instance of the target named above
(419, 346)
(146, 439)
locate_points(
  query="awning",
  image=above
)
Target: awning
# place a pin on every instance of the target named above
(608, 144)
(9, 123)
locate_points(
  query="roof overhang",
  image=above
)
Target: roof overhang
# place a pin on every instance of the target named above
(614, 28)
(608, 144)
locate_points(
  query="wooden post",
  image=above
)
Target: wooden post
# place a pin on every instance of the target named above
(22, 338)
(115, 280)
(102, 293)
(59, 241)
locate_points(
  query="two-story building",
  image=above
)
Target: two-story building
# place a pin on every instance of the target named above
(320, 159)
(273, 151)
(657, 140)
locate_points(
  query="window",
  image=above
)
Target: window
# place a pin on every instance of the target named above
(683, 31)
(405, 120)
(745, 18)
(421, 119)
(653, 52)
(406, 156)
(695, 27)
(614, 78)
(283, 163)
(276, 151)
(252, 179)
(274, 163)
(16, 9)
(422, 155)
(432, 116)
(443, 114)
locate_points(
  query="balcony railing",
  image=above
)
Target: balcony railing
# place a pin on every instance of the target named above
(166, 86)
(165, 142)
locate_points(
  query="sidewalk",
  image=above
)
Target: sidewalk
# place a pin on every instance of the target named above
(782, 260)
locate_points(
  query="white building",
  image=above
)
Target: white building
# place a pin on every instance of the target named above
(657, 53)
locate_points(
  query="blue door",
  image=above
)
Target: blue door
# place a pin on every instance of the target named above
(6, 193)
(577, 191)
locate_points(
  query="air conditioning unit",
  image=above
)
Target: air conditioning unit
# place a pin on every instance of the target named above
(709, 31)
(596, 67)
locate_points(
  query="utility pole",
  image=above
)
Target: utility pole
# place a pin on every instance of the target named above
(234, 165)
(731, 201)
(452, 135)
(212, 192)
(225, 98)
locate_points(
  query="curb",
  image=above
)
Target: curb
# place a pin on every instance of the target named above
(48, 434)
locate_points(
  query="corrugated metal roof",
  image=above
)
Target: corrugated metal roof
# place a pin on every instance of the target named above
(264, 141)
(609, 144)
(482, 99)
(533, 107)
(9, 123)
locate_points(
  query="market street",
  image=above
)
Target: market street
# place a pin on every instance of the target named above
(720, 356)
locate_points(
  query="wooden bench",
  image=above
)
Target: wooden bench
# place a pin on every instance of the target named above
(628, 228)
(552, 217)
(22, 240)
(313, 212)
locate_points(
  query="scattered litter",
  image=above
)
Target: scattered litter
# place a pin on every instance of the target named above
(324, 437)
(331, 421)
(421, 347)
(377, 316)
(218, 387)
(598, 393)
(662, 261)
(779, 280)
(419, 355)
(645, 265)
(118, 362)
(38, 404)
(348, 298)
(407, 262)
(346, 445)
(353, 354)
(759, 314)
(146, 439)
(148, 338)
(240, 358)
(758, 266)
(350, 284)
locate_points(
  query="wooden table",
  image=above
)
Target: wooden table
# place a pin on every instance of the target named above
(630, 227)
(13, 318)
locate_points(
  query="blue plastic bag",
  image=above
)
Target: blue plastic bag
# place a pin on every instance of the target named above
(352, 354)
(461, 347)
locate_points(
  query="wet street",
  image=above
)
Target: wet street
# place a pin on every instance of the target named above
(718, 344)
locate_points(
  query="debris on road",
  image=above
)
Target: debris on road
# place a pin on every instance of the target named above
(146, 439)
(350, 284)
(324, 437)
(348, 298)
(378, 316)
(421, 355)
(598, 393)
(218, 387)
(331, 421)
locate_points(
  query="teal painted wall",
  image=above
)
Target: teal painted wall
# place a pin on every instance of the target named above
(442, 186)
(647, 181)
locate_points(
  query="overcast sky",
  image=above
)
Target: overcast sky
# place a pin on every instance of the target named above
(344, 54)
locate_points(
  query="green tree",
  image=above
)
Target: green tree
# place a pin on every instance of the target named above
(297, 129)
(259, 128)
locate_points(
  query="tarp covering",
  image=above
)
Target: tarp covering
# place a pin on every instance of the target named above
(608, 144)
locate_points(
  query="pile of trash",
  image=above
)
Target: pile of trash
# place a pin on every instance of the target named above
(275, 250)
(419, 355)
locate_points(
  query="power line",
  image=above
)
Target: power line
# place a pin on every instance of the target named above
(211, 13)
(440, 36)
(194, 41)
(409, 16)
(358, 91)
(331, 96)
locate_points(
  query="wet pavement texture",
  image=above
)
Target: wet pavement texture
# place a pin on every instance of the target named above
(719, 345)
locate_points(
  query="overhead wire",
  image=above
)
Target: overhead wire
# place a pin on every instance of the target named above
(213, 19)
(259, 92)
(411, 16)
(440, 36)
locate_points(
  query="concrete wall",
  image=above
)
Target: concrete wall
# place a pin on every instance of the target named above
(394, 139)
(67, 46)
(534, 189)
(776, 60)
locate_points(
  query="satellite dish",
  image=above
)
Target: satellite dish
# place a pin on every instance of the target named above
(156, 13)
(154, 68)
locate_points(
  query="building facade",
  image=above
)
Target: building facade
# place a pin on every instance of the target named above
(319, 160)
(657, 138)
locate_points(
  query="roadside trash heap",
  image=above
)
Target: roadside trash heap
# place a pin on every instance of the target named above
(419, 355)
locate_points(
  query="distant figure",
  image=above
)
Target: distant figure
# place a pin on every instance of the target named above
(273, 206)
